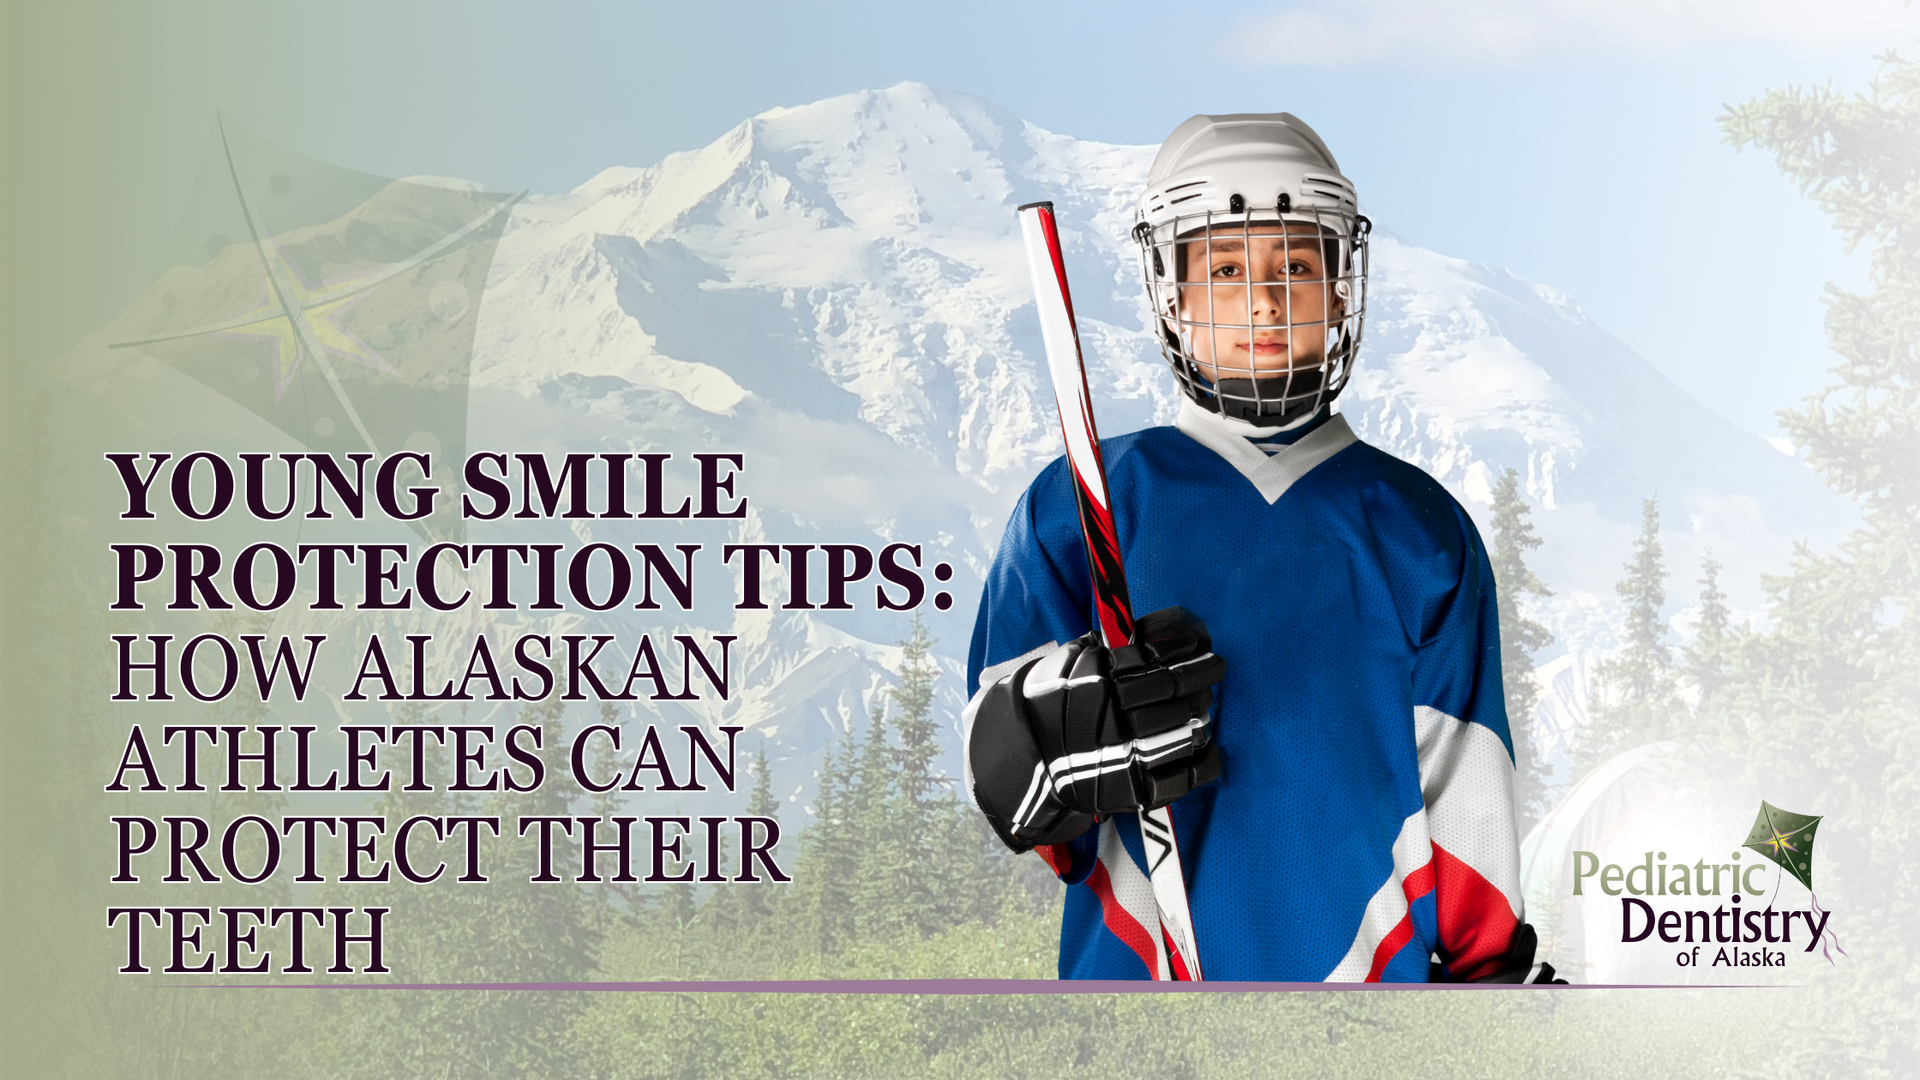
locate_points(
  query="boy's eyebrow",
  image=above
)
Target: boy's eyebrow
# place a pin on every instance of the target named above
(1309, 243)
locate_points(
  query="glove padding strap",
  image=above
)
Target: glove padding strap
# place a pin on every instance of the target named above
(1082, 732)
(1010, 781)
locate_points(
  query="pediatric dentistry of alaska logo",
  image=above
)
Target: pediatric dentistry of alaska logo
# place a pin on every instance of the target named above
(1781, 838)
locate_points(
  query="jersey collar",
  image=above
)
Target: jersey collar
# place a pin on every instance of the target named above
(1270, 475)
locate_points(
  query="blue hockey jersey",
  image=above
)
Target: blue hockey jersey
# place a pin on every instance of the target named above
(1364, 819)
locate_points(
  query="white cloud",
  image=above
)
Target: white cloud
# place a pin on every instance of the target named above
(1356, 33)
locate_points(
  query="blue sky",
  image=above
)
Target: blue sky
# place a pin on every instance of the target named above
(1570, 141)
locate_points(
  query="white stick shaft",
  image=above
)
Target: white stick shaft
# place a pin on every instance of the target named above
(1069, 373)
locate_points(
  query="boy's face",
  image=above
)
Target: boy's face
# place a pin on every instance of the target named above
(1255, 301)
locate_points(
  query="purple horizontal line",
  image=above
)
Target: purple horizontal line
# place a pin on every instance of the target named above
(934, 986)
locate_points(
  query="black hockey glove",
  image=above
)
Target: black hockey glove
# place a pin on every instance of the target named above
(1516, 967)
(1083, 731)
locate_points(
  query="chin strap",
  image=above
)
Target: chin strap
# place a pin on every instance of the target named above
(1264, 404)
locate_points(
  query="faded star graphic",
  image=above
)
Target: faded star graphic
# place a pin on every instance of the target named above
(302, 320)
(269, 320)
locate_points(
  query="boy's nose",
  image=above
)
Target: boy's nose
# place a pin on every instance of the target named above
(1267, 304)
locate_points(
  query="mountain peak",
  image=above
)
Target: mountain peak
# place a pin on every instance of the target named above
(837, 291)
(856, 260)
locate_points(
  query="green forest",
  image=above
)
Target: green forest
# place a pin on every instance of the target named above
(894, 876)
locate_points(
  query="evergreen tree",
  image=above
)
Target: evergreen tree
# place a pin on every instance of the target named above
(892, 854)
(873, 781)
(880, 835)
(1644, 667)
(1706, 656)
(829, 852)
(760, 803)
(1520, 638)
(915, 728)
(674, 908)
(1633, 699)
(1827, 701)
(906, 812)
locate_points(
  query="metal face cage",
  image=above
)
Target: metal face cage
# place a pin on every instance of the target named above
(1260, 309)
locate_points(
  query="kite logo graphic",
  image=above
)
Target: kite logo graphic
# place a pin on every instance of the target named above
(1783, 839)
(1786, 839)
(338, 306)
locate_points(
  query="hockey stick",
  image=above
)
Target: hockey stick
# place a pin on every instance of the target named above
(1174, 946)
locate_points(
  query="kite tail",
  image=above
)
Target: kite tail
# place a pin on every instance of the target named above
(1825, 935)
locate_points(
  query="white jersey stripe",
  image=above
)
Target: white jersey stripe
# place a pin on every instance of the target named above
(1466, 777)
(993, 673)
(1412, 849)
(1466, 781)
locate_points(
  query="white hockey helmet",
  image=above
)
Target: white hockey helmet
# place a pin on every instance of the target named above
(1246, 182)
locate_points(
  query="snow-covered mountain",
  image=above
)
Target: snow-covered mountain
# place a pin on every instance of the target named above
(837, 291)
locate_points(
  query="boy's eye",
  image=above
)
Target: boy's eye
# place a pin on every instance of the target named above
(1228, 270)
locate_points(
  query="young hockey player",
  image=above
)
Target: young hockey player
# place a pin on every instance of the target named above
(1346, 813)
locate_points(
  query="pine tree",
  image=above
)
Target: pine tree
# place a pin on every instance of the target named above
(1706, 656)
(830, 852)
(873, 781)
(884, 869)
(760, 803)
(674, 908)
(512, 929)
(1520, 638)
(1824, 702)
(1645, 664)
(1634, 700)
(893, 853)
(915, 729)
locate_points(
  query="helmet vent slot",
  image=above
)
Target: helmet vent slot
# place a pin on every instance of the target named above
(1331, 187)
